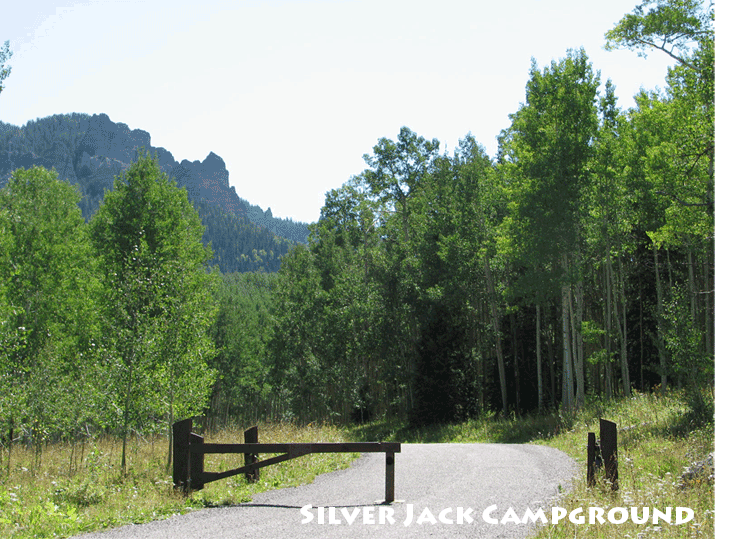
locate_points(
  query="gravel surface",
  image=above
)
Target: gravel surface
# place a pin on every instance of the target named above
(440, 482)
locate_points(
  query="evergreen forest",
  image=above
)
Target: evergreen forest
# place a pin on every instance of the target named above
(577, 262)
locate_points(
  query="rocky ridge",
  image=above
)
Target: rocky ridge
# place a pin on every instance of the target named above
(90, 151)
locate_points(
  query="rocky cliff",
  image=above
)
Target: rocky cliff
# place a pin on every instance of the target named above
(90, 151)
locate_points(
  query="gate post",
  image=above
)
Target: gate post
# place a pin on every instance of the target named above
(591, 459)
(196, 464)
(389, 477)
(609, 451)
(251, 437)
(180, 438)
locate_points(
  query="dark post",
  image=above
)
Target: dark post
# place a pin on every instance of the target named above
(251, 437)
(609, 451)
(196, 464)
(180, 433)
(591, 459)
(389, 477)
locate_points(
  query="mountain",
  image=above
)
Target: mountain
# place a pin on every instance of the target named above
(90, 151)
(238, 244)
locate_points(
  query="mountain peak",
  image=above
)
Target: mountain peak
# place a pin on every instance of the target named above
(90, 151)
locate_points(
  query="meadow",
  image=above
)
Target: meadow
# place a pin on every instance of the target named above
(76, 488)
(66, 489)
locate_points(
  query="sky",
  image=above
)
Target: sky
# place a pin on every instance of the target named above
(292, 94)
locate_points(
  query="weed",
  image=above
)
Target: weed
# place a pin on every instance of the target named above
(59, 500)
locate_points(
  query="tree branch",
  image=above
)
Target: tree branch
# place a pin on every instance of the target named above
(677, 199)
(669, 53)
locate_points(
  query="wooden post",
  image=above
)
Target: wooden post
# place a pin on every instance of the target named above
(591, 459)
(196, 464)
(180, 434)
(390, 457)
(609, 451)
(251, 437)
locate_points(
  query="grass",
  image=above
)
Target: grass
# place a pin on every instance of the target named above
(658, 437)
(74, 489)
(491, 429)
(77, 488)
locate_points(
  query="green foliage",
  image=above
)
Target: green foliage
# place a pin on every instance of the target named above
(49, 322)
(419, 283)
(241, 332)
(547, 151)
(398, 168)
(670, 26)
(297, 336)
(684, 338)
(681, 122)
(157, 299)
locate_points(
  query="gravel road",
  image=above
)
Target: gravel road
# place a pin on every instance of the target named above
(434, 482)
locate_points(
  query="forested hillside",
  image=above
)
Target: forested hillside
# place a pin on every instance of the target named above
(237, 243)
(90, 151)
(287, 228)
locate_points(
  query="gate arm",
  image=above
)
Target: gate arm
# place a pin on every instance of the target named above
(293, 451)
(208, 477)
(300, 448)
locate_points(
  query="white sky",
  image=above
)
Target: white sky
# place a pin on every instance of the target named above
(291, 94)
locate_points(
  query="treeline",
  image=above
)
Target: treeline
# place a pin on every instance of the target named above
(578, 261)
(238, 244)
(105, 326)
(125, 323)
(296, 231)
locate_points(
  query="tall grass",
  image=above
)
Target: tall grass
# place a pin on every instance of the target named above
(75, 488)
(658, 438)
